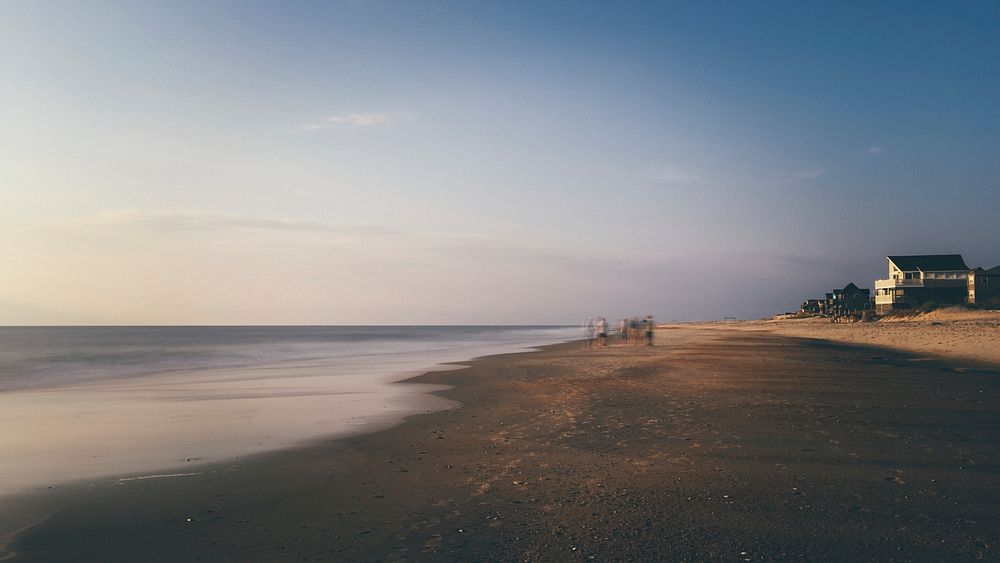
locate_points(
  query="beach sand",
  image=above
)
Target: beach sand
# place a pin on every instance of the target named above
(720, 443)
(957, 333)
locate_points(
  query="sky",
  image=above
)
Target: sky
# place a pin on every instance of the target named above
(377, 162)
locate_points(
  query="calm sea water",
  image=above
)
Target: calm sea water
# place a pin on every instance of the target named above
(35, 357)
(86, 405)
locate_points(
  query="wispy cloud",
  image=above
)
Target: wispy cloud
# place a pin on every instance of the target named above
(362, 119)
(197, 221)
(875, 149)
(190, 220)
(792, 178)
(446, 245)
(672, 174)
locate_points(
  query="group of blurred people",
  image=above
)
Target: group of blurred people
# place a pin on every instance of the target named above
(629, 332)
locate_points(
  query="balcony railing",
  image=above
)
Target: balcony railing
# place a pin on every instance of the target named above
(880, 284)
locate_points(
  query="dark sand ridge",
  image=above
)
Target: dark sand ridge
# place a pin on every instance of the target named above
(715, 445)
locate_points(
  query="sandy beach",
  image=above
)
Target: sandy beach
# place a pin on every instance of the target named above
(958, 333)
(723, 442)
(356, 281)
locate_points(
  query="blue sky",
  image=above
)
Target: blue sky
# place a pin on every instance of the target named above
(480, 162)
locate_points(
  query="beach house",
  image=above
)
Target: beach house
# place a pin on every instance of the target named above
(984, 287)
(849, 301)
(852, 300)
(811, 306)
(916, 280)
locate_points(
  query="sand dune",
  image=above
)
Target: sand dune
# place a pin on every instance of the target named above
(956, 333)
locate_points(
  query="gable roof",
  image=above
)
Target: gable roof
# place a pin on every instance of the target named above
(851, 289)
(929, 262)
(993, 271)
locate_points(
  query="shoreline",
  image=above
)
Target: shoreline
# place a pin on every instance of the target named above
(34, 506)
(553, 450)
(69, 434)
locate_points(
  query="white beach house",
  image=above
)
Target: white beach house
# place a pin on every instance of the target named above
(914, 280)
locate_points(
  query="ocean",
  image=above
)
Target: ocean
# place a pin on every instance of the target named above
(33, 357)
(85, 403)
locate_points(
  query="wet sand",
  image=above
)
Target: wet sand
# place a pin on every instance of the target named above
(714, 445)
(53, 436)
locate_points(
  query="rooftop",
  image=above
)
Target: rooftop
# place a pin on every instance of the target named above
(929, 262)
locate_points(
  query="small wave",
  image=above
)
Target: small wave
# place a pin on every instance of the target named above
(159, 476)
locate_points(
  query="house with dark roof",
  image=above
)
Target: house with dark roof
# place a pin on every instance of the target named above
(984, 287)
(852, 300)
(915, 280)
(811, 306)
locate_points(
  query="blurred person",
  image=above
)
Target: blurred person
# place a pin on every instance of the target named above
(602, 331)
(588, 331)
(649, 325)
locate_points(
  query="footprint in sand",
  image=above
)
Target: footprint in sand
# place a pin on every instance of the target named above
(896, 478)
